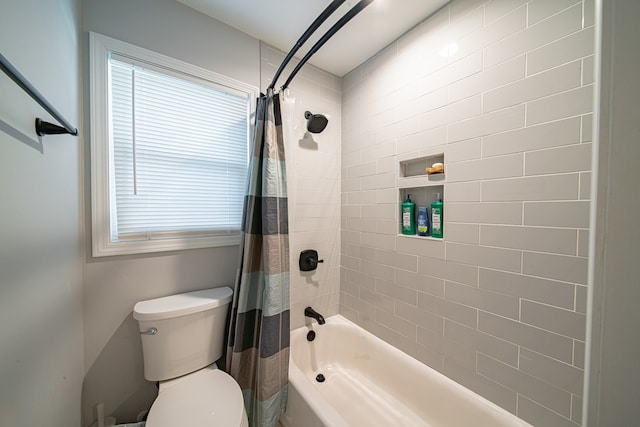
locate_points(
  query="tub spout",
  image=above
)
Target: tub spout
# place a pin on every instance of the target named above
(310, 312)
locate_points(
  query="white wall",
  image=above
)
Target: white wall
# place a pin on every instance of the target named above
(112, 285)
(499, 305)
(41, 354)
(614, 384)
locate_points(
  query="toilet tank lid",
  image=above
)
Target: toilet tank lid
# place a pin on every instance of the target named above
(182, 304)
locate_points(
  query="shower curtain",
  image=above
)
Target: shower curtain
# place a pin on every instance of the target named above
(258, 346)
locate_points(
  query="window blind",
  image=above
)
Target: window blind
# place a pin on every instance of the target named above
(179, 155)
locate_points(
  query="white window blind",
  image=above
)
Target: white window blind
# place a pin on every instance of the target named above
(179, 155)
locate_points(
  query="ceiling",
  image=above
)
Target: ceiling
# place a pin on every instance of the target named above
(282, 22)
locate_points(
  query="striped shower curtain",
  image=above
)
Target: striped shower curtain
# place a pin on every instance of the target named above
(258, 348)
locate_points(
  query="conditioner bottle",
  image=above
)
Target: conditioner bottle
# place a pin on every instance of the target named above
(408, 216)
(437, 216)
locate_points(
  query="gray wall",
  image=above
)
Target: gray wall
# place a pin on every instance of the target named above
(614, 384)
(112, 285)
(498, 305)
(41, 353)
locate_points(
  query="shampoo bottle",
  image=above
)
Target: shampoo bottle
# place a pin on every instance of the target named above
(408, 216)
(437, 212)
(423, 221)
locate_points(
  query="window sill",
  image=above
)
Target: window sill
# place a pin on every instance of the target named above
(101, 249)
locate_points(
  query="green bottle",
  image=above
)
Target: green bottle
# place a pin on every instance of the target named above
(437, 217)
(408, 216)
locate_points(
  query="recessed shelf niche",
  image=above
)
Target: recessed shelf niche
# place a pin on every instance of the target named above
(423, 188)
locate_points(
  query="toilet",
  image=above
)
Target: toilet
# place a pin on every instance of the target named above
(182, 337)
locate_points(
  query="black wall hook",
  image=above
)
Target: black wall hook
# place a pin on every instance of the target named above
(309, 260)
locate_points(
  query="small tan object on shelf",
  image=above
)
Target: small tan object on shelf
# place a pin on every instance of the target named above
(435, 168)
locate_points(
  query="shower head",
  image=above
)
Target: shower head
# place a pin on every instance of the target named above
(315, 122)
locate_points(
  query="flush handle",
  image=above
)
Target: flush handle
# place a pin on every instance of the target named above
(150, 331)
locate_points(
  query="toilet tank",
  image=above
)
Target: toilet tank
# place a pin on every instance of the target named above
(182, 333)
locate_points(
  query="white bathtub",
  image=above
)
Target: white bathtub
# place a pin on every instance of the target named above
(370, 383)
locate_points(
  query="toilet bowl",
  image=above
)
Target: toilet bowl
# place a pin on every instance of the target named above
(182, 337)
(208, 397)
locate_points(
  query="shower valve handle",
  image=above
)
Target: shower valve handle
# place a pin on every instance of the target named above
(309, 260)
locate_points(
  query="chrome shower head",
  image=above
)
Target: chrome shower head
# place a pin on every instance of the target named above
(315, 122)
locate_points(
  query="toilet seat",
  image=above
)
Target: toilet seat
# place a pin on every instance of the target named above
(208, 397)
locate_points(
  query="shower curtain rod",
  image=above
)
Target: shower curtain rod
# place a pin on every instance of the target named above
(359, 7)
(42, 127)
(312, 28)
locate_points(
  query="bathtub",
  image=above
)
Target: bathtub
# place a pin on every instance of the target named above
(368, 382)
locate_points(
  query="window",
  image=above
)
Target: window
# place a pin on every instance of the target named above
(169, 152)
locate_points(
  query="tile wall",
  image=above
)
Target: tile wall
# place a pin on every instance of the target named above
(313, 172)
(503, 88)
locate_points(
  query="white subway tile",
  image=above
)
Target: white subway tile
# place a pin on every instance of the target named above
(421, 247)
(462, 192)
(451, 113)
(484, 213)
(448, 270)
(569, 48)
(553, 81)
(495, 9)
(587, 128)
(559, 267)
(449, 310)
(493, 32)
(560, 374)
(552, 187)
(358, 197)
(581, 299)
(498, 121)
(557, 214)
(572, 158)
(583, 243)
(484, 256)
(452, 73)
(558, 320)
(543, 9)
(541, 341)
(485, 343)
(589, 13)
(482, 385)
(464, 150)
(420, 282)
(422, 318)
(490, 168)
(488, 79)
(539, 415)
(463, 233)
(554, 240)
(547, 291)
(412, 104)
(397, 259)
(567, 104)
(562, 24)
(360, 170)
(561, 132)
(400, 293)
(386, 226)
(552, 397)
(492, 302)
(422, 140)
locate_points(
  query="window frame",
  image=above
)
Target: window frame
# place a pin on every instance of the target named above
(100, 49)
